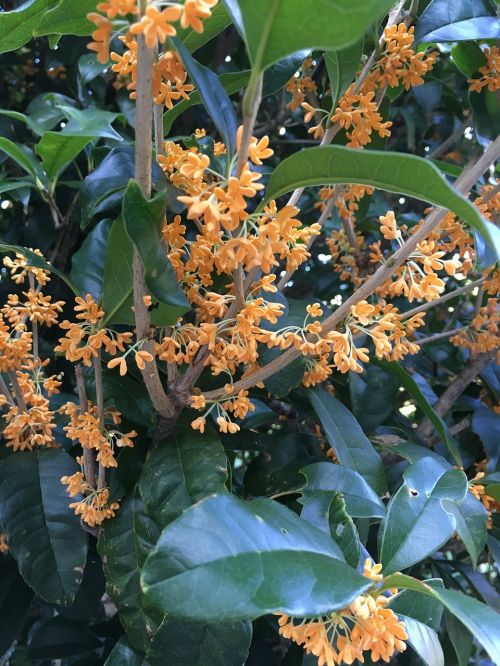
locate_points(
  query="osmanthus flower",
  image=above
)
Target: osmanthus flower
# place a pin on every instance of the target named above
(480, 493)
(156, 24)
(4, 546)
(20, 270)
(29, 428)
(483, 333)
(114, 8)
(490, 72)
(101, 36)
(84, 339)
(342, 637)
(193, 11)
(35, 307)
(95, 507)
(239, 405)
(15, 347)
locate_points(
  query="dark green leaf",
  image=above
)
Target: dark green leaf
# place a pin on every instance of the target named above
(424, 641)
(129, 397)
(343, 530)
(123, 653)
(57, 150)
(353, 448)
(67, 17)
(87, 265)
(61, 637)
(17, 26)
(470, 517)
(445, 21)
(414, 390)
(460, 637)
(468, 57)
(245, 544)
(417, 521)
(394, 172)
(215, 99)
(424, 609)
(15, 601)
(342, 66)
(143, 220)
(373, 394)
(273, 29)
(89, 123)
(327, 479)
(43, 533)
(184, 469)
(185, 644)
(117, 297)
(24, 158)
(486, 114)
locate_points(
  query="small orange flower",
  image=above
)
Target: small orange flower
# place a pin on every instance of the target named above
(156, 25)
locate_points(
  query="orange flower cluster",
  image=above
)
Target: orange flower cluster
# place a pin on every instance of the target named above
(301, 85)
(366, 625)
(357, 110)
(95, 506)
(480, 493)
(416, 278)
(239, 406)
(483, 334)
(85, 338)
(86, 428)
(490, 72)
(4, 547)
(156, 24)
(19, 269)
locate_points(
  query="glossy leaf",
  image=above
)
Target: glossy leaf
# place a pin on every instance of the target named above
(58, 150)
(342, 66)
(44, 534)
(186, 643)
(17, 26)
(427, 610)
(215, 99)
(416, 393)
(417, 521)
(245, 544)
(460, 637)
(89, 123)
(143, 221)
(424, 641)
(327, 479)
(353, 448)
(67, 17)
(445, 21)
(24, 158)
(124, 653)
(373, 395)
(343, 530)
(394, 172)
(87, 268)
(182, 470)
(273, 29)
(471, 518)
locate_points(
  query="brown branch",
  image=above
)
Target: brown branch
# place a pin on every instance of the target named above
(99, 398)
(4, 390)
(17, 390)
(455, 389)
(88, 454)
(442, 299)
(440, 336)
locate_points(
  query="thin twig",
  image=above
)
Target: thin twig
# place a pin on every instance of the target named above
(449, 141)
(4, 390)
(439, 336)
(99, 395)
(88, 454)
(17, 390)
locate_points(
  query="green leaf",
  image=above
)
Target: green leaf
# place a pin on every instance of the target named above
(16, 26)
(414, 390)
(215, 99)
(443, 21)
(325, 479)
(57, 150)
(68, 17)
(273, 29)
(424, 609)
(212, 26)
(182, 470)
(90, 122)
(424, 641)
(460, 638)
(373, 394)
(471, 518)
(353, 448)
(24, 158)
(257, 555)
(143, 220)
(418, 521)
(124, 653)
(129, 397)
(123, 545)
(117, 278)
(468, 57)
(36, 261)
(43, 533)
(343, 530)
(187, 643)
(481, 620)
(394, 172)
(87, 264)
(342, 66)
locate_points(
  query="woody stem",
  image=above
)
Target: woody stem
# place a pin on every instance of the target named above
(88, 454)
(17, 390)
(99, 396)
(143, 149)
(34, 323)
